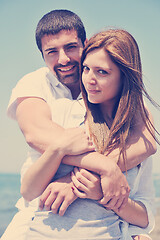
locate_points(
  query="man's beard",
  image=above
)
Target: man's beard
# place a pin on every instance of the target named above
(69, 79)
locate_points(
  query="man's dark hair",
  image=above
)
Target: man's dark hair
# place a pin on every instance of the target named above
(57, 20)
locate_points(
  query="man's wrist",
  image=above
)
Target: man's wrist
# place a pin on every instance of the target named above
(107, 167)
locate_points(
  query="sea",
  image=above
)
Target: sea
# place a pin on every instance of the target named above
(10, 193)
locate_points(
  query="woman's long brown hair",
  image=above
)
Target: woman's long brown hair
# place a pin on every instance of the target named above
(124, 52)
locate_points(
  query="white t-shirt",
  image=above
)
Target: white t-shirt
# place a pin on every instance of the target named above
(40, 83)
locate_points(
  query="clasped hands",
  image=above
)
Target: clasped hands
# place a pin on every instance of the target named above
(112, 191)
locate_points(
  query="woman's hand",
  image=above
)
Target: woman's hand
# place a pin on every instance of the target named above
(86, 184)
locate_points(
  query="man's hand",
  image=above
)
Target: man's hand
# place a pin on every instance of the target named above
(141, 237)
(58, 196)
(74, 141)
(115, 187)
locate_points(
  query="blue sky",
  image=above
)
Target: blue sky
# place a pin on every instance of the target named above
(19, 54)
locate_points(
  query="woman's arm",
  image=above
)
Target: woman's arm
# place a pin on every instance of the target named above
(87, 185)
(134, 213)
(138, 211)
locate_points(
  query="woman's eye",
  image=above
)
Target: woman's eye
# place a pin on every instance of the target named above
(85, 68)
(103, 72)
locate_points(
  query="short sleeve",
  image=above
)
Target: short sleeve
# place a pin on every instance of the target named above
(31, 85)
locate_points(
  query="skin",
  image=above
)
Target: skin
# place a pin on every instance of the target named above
(62, 53)
(40, 131)
(102, 81)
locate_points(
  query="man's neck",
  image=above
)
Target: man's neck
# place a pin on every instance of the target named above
(75, 90)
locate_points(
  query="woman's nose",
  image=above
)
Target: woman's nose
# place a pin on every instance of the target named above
(91, 77)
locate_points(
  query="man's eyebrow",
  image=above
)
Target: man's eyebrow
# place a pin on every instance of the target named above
(50, 49)
(66, 45)
(70, 44)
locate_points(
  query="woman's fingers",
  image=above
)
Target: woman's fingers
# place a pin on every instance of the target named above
(79, 181)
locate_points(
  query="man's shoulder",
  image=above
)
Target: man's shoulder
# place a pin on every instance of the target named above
(39, 77)
(39, 73)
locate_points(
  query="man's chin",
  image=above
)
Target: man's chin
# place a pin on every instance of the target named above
(68, 80)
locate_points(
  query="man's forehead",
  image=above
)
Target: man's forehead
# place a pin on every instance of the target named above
(63, 33)
(63, 37)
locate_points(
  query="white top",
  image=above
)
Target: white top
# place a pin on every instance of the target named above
(42, 84)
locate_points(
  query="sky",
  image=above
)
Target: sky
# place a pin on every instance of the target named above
(19, 54)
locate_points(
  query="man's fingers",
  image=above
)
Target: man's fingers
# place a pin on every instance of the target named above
(124, 202)
(56, 204)
(49, 201)
(111, 204)
(105, 200)
(119, 203)
(43, 198)
(65, 204)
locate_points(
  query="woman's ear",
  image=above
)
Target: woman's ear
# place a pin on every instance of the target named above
(85, 41)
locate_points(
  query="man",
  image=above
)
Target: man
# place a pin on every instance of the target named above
(60, 36)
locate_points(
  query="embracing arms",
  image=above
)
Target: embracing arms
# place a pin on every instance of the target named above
(35, 120)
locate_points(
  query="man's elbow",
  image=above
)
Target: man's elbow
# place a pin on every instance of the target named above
(28, 196)
(33, 140)
(153, 149)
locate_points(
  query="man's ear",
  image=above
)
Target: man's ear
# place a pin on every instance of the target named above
(85, 42)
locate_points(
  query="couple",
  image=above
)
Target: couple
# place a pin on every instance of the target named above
(91, 199)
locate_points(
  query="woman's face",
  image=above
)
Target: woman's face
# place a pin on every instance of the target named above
(101, 78)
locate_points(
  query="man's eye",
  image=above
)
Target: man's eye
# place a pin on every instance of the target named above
(71, 47)
(52, 52)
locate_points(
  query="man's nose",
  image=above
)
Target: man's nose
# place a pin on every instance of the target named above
(63, 58)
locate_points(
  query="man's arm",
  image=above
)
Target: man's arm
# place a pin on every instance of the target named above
(41, 172)
(140, 145)
(35, 121)
(34, 118)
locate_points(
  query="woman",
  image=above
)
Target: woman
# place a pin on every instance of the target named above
(112, 90)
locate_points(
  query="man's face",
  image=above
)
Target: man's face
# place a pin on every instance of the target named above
(62, 53)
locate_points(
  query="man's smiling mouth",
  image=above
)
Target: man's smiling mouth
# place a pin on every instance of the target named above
(66, 69)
